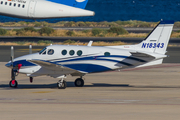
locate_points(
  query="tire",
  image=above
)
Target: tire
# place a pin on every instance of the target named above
(79, 82)
(62, 85)
(13, 83)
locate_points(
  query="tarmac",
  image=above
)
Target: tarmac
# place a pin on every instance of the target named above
(150, 93)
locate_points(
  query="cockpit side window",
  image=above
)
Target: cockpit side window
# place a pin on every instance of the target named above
(50, 52)
(43, 51)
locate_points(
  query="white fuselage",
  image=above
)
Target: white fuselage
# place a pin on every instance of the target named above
(40, 9)
(83, 59)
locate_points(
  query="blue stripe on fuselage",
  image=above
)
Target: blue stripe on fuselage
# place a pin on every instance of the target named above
(72, 3)
(93, 58)
(23, 62)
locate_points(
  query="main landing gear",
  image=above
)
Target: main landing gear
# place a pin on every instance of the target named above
(61, 84)
(79, 82)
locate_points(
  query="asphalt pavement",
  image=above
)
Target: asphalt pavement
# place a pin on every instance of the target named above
(143, 94)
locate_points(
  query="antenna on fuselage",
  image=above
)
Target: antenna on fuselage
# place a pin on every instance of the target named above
(30, 49)
(90, 43)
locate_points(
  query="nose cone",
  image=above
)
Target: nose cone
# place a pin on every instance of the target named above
(81, 12)
(9, 64)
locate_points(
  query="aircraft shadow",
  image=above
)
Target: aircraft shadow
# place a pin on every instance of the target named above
(71, 84)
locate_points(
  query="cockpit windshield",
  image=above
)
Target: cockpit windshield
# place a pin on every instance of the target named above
(42, 51)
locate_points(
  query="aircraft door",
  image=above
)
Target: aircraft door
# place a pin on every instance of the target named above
(31, 10)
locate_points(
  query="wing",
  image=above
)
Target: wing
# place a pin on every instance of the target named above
(55, 67)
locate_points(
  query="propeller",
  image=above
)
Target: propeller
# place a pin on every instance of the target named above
(12, 58)
(14, 70)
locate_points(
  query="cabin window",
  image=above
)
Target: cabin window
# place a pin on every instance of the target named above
(64, 52)
(50, 52)
(19, 5)
(79, 52)
(71, 52)
(5, 3)
(14, 4)
(1, 2)
(23, 6)
(10, 4)
(106, 54)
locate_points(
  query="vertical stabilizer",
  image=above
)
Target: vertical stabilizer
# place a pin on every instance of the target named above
(158, 39)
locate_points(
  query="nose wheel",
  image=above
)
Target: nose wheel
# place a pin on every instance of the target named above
(13, 83)
(79, 82)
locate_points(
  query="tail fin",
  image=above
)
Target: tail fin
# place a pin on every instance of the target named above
(158, 39)
(74, 3)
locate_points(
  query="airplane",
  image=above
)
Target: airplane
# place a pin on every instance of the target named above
(41, 9)
(58, 61)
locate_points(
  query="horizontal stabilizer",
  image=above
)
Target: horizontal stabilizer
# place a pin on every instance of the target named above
(138, 54)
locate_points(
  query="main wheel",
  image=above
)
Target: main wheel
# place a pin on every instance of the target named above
(79, 82)
(62, 85)
(13, 83)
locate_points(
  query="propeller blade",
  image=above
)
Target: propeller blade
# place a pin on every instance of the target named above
(12, 54)
(30, 49)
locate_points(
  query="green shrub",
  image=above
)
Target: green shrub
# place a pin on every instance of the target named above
(144, 25)
(123, 22)
(70, 33)
(177, 24)
(89, 24)
(44, 24)
(30, 29)
(118, 30)
(45, 42)
(3, 31)
(177, 31)
(10, 23)
(37, 24)
(69, 41)
(23, 23)
(96, 31)
(69, 24)
(85, 31)
(20, 42)
(19, 31)
(81, 24)
(46, 30)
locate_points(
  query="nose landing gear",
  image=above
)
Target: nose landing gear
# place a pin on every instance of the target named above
(13, 83)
